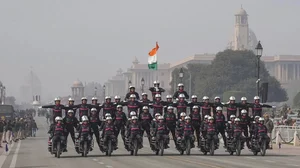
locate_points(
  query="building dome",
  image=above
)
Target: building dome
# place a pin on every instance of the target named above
(77, 84)
(36, 103)
(241, 12)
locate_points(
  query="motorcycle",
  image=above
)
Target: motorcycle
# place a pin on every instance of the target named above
(258, 146)
(84, 146)
(205, 148)
(159, 145)
(109, 147)
(133, 146)
(185, 145)
(235, 145)
(55, 148)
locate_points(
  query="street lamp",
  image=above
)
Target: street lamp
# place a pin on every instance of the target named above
(259, 50)
(104, 92)
(181, 74)
(95, 91)
(142, 83)
(129, 83)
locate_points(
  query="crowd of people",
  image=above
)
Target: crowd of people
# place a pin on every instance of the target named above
(175, 115)
(17, 129)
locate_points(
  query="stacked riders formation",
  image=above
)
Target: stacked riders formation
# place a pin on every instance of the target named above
(189, 123)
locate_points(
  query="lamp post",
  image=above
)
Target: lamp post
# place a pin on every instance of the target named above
(259, 50)
(95, 91)
(2, 93)
(142, 83)
(181, 74)
(104, 87)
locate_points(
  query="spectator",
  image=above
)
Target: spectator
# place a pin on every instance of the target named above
(34, 128)
(270, 126)
(2, 125)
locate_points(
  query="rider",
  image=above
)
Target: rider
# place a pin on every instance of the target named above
(71, 122)
(96, 104)
(257, 107)
(170, 118)
(134, 132)
(194, 102)
(84, 130)
(188, 131)
(70, 106)
(155, 121)
(56, 108)
(157, 105)
(216, 104)
(237, 131)
(132, 104)
(120, 122)
(211, 132)
(133, 113)
(220, 123)
(203, 126)
(108, 107)
(229, 126)
(156, 89)
(180, 91)
(206, 106)
(95, 123)
(261, 132)
(231, 107)
(253, 125)
(245, 121)
(181, 105)
(145, 119)
(243, 105)
(109, 132)
(196, 122)
(168, 102)
(162, 131)
(58, 131)
(144, 101)
(132, 92)
(84, 107)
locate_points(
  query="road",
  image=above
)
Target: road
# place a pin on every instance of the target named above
(32, 153)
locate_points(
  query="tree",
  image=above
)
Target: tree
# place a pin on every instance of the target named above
(296, 101)
(10, 100)
(233, 71)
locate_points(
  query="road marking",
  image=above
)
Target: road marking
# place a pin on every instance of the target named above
(293, 165)
(95, 160)
(108, 166)
(189, 161)
(15, 156)
(5, 154)
(270, 161)
(250, 157)
(101, 163)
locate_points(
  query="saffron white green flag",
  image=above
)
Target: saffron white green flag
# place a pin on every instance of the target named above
(152, 59)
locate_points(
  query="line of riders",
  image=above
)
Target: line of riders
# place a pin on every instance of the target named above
(183, 127)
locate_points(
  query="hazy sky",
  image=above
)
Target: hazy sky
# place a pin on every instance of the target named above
(65, 40)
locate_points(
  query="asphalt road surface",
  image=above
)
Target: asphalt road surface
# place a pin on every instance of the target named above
(33, 153)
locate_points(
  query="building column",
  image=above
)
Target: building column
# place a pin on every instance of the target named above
(294, 71)
(286, 72)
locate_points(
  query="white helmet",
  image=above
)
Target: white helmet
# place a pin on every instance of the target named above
(70, 111)
(169, 97)
(157, 114)
(134, 118)
(217, 97)
(57, 99)
(108, 118)
(156, 82)
(133, 113)
(145, 108)
(187, 118)
(83, 98)
(206, 116)
(93, 109)
(205, 98)
(94, 98)
(232, 116)
(243, 99)
(244, 111)
(107, 97)
(84, 118)
(157, 96)
(71, 99)
(180, 84)
(58, 118)
(117, 97)
(132, 96)
(210, 118)
(107, 115)
(144, 94)
(256, 98)
(119, 106)
(219, 108)
(257, 117)
(237, 119)
(195, 107)
(181, 96)
(183, 114)
(131, 87)
(261, 119)
(170, 108)
(161, 118)
(231, 98)
(194, 97)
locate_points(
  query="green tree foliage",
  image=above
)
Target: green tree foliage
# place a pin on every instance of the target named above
(296, 101)
(230, 71)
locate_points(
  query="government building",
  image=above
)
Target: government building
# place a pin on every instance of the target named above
(286, 68)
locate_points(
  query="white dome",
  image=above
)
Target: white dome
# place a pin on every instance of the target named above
(36, 103)
(241, 12)
(77, 84)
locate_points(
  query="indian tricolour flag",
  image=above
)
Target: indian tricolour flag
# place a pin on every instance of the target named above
(152, 59)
